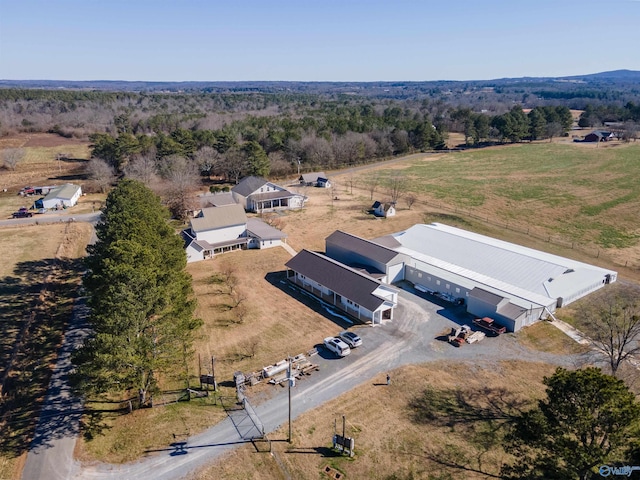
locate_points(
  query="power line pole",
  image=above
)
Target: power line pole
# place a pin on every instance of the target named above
(290, 381)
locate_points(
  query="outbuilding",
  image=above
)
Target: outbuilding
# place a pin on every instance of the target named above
(348, 289)
(315, 179)
(511, 283)
(387, 209)
(63, 196)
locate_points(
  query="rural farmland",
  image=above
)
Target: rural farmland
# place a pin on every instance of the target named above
(441, 183)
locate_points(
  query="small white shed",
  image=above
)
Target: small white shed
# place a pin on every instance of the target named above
(384, 209)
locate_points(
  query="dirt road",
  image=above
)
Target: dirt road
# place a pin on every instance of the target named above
(51, 450)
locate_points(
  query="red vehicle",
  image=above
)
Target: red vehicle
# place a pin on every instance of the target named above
(489, 325)
(22, 213)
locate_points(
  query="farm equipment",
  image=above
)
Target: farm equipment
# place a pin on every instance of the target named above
(458, 336)
(489, 325)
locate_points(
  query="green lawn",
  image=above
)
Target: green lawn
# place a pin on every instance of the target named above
(589, 195)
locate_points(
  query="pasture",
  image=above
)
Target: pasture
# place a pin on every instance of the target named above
(40, 167)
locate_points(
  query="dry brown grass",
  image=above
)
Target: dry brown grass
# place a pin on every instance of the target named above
(39, 275)
(40, 167)
(388, 440)
(143, 431)
(544, 337)
(272, 314)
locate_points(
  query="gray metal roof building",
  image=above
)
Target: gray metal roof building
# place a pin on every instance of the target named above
(354, 292)
(248, 185)
(341, 279)
(527, 284)
(219, 217)
(259, 229)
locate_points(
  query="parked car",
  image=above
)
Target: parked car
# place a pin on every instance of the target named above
(350, 339)
(337, 346)
(22, 213)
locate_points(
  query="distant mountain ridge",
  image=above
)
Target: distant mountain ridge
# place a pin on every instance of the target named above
(615, 76)
(633, 75)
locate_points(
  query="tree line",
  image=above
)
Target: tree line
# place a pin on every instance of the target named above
(141, 298)
(514, 125)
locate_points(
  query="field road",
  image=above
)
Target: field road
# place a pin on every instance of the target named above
(51, 451)
(409, 338)
(52, 218)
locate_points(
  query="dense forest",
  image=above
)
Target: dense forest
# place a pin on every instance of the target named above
(272, 128)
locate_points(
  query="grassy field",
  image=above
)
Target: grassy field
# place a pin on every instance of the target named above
(577, 194)
(39, 167)
(432, 422)
(39, 278)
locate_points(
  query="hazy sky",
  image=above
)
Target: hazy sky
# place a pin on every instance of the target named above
(339, 40)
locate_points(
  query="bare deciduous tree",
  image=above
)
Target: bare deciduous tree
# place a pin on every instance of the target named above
(371, 183)
(612, 320)
(351, 180)
(182, 179)
(280, 167)
(553, 129)
(630, 131)
(234, 165)
(410, 199)
(228, 274)
(12, 156)
(142, 168)
(101, 172)
(207, 159)
(237, 297)
(315, 150)
(396, 187)
(250, 346)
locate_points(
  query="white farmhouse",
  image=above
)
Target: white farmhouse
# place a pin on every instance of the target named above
(258, 195)
(215, 230)
(226, 228)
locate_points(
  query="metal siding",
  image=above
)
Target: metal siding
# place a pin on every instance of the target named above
(477, 256)
(395, 273)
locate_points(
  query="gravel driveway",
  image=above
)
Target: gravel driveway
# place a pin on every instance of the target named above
(408, 339)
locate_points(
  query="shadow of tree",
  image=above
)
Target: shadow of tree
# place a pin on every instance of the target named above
(481, 417)
(279, 280)
(35, 307)
(456, 406)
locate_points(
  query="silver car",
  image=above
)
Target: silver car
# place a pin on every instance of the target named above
(350, 339)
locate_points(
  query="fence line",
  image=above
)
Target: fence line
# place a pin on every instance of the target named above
(593, 251)
(590, 250)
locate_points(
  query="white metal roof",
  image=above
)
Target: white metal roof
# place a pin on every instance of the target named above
(524, 272)
(64, 192)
